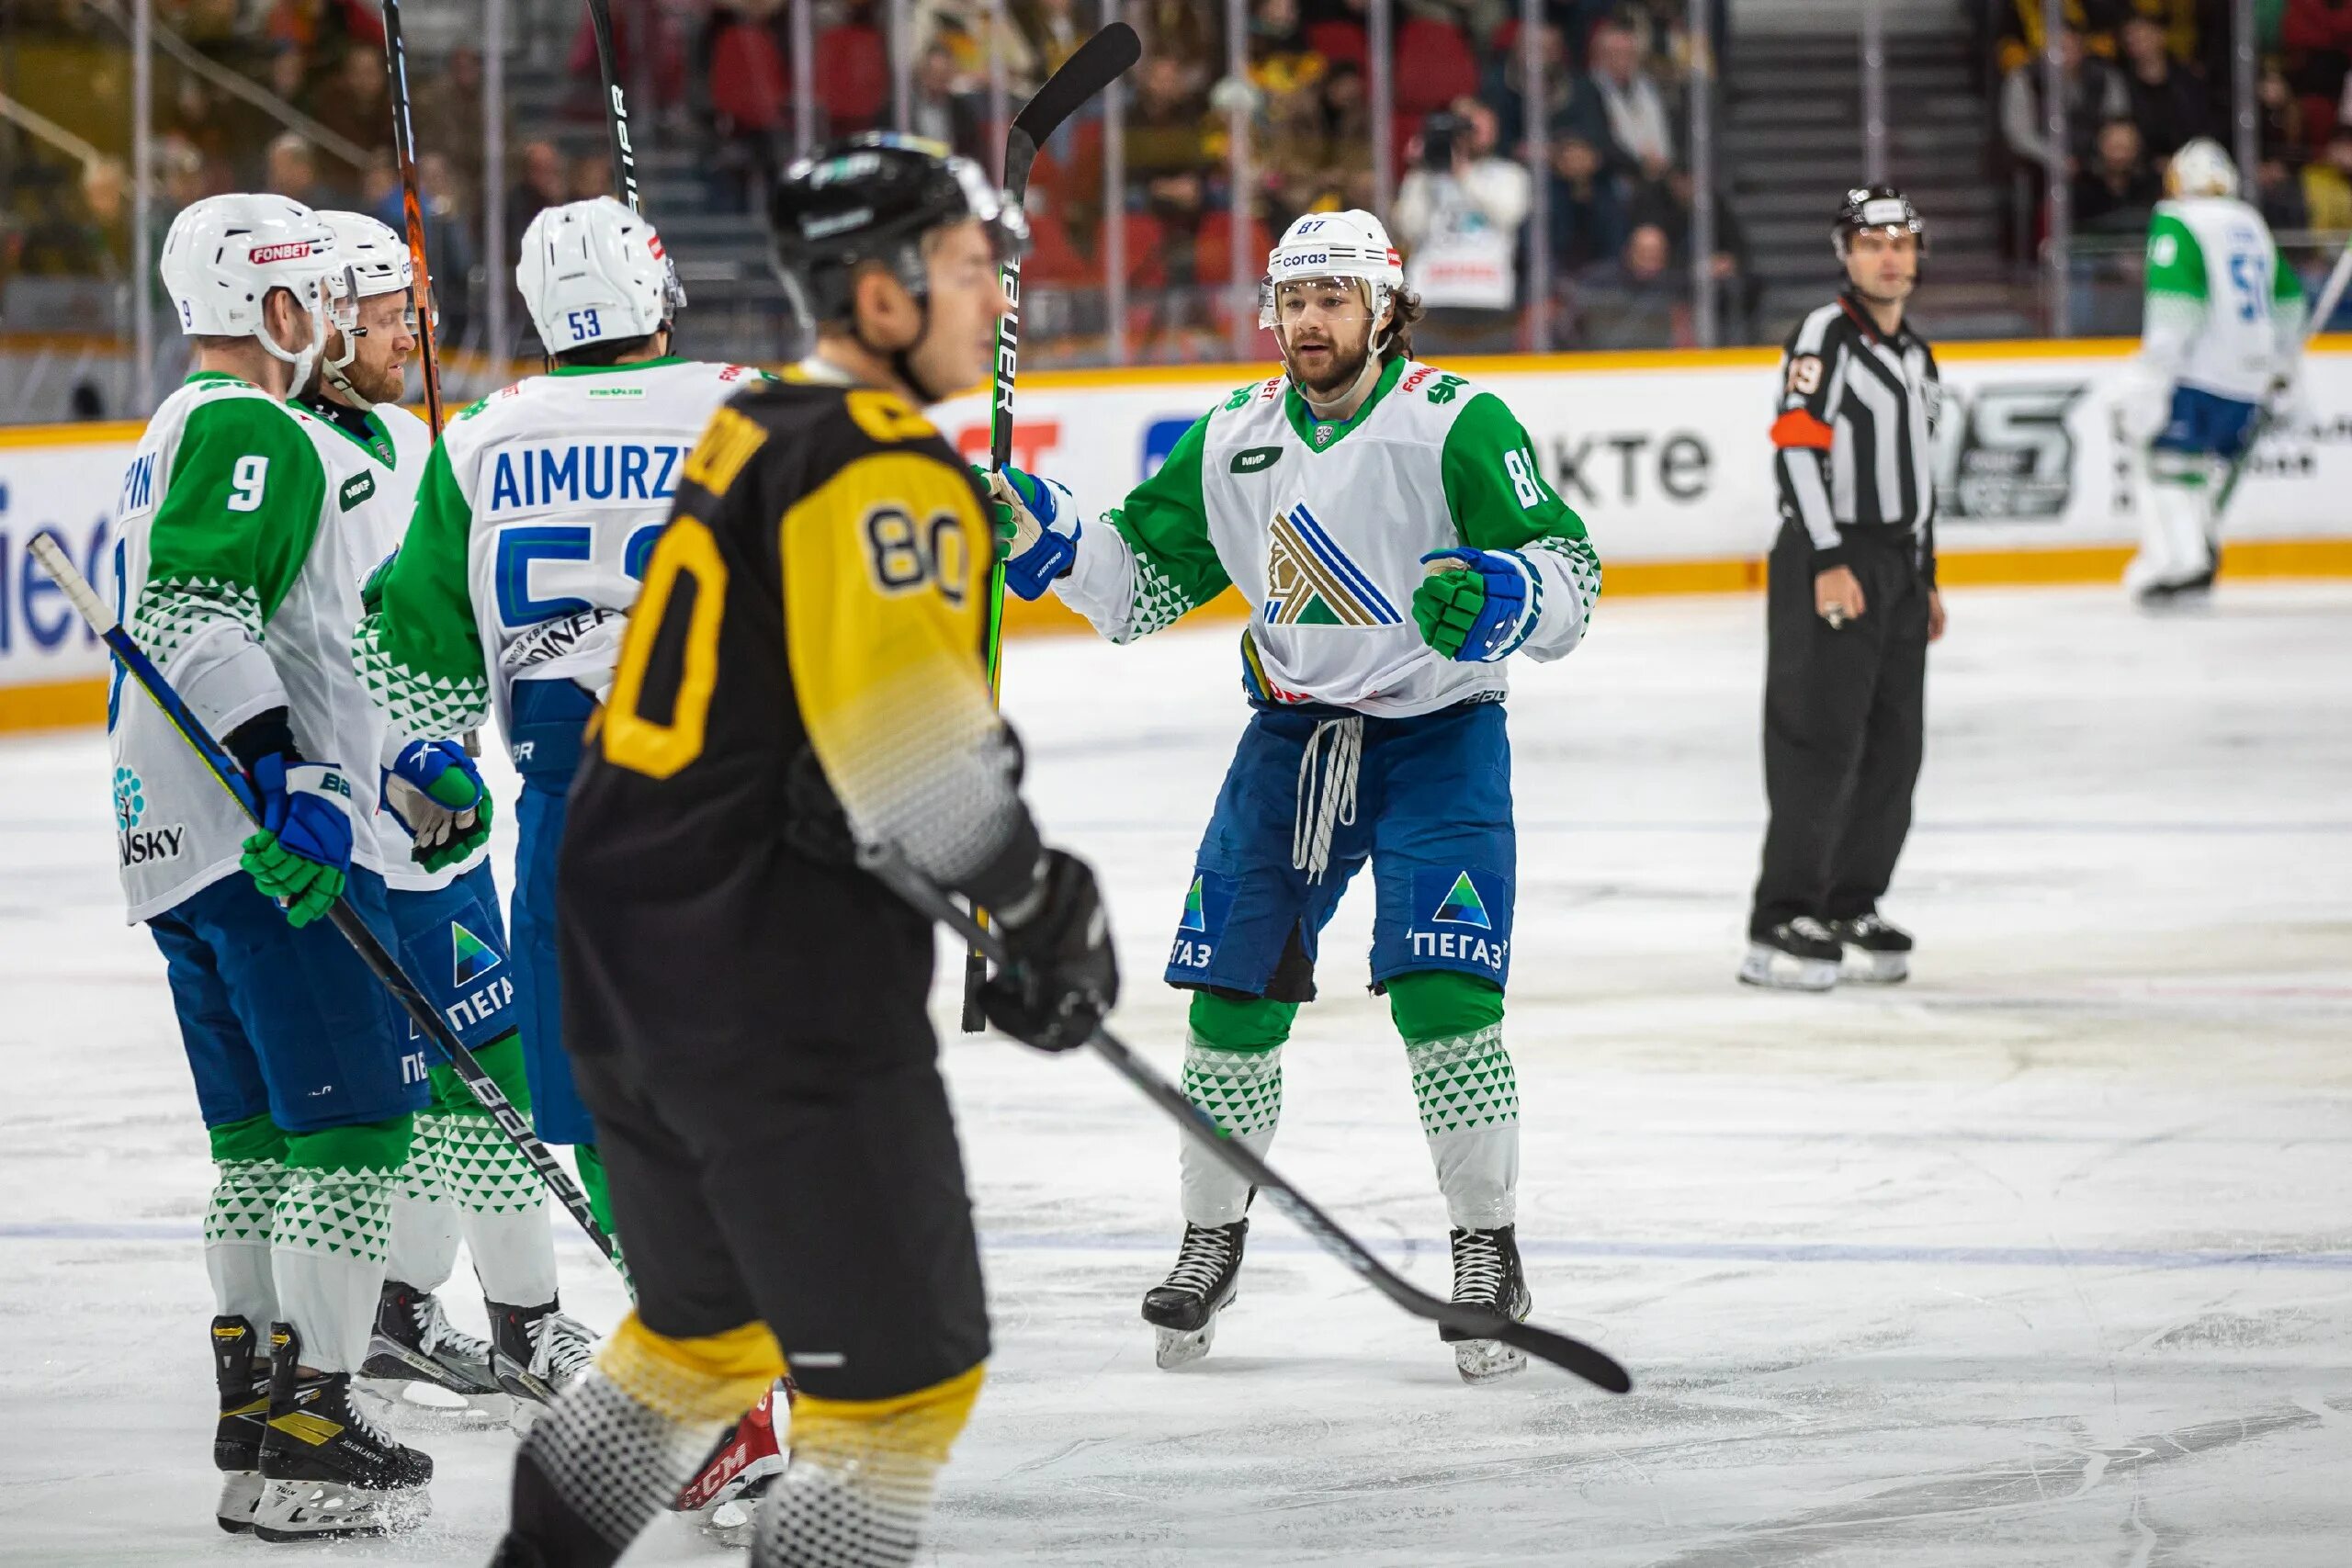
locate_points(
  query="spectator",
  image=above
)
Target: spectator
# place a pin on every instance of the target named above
(2316, 36)
(745, 67)
(2279, 195)
(1186, 32)
(1587, 208)
(945, 109)
(1639, 301)
(541, 187)
(646, 50)
(2095, 94)
(588, 174)
(1457, 215)
(2327, 184)
(449, 248)
(293, 170)
(447, 105)
(1640, 131)
(1164, 130)
(1504, 86)
(355, 102)
(1052, 32)
(289, 73)
(2118, 192)
(2168, 101)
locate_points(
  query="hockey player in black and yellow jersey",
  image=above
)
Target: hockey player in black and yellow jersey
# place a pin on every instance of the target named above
(745, 1009)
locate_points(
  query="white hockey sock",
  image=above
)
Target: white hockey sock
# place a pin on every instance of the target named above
(1242, 1092)
(1468, 1095)
(425, 1223)
(2176, 527)
(501, 1205)
(236, 1239)
(329, 1236)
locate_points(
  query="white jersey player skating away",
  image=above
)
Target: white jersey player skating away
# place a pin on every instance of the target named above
(2223, 334)
(462, 1173)
(1391, 527)
(235, 571)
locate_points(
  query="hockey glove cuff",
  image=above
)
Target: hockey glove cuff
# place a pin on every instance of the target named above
(302, 854)
(1064, 977)
(1036, 529)
(435, 792)
(1477, 606)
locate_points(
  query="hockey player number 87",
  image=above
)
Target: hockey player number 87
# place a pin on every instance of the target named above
(632, 740)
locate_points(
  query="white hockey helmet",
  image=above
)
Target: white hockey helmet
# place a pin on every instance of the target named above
(1333, 245)
(225, 253)
(374, 261)
(2202, 169)
(593, 271)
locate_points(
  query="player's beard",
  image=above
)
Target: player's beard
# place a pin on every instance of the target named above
(377, 384)
(1342, 369)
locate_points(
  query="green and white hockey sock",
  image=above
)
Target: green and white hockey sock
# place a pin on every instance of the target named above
(500, 1200)
(2176, 532)
(329, 1233)
(1233, 1070)
(1466, 1090)
(248, 1173)
(424, 1225)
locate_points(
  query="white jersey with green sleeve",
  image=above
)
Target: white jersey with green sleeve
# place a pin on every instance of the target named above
(229, 580)
(540, 506)
(1322, 526)
(2224, 313)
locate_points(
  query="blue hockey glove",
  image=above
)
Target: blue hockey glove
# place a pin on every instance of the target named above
(1476, 609)
(432, 789)
(301, 853)
(1036, 529)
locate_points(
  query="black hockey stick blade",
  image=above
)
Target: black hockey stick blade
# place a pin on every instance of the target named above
(1595, 1366)
(1099, 62)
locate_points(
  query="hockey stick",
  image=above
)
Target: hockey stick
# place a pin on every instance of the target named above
(889, 865)
(44, 548)
(2329, 296)
(1100, 62)
(413, 210)
(600, 21)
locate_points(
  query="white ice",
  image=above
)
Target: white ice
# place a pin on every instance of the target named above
(2041, 1258)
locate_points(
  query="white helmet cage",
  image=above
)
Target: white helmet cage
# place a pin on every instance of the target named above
(374, 261)
(592, 272)
(2202, 167)
(225, 253)
(1350, 244)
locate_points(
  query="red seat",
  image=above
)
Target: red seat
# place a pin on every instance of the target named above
(1147, 266)
(1442, 67)
(1339, 42)
(853, 71)
(1052, 259)
(1212, 249)
(747, 77)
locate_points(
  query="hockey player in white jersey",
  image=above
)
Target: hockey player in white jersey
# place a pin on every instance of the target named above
(534, 522)
(1392, 529)
(2222, 335)
(462, 1173)
(233, 570)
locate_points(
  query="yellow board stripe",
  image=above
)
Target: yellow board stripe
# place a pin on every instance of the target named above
(54, 705)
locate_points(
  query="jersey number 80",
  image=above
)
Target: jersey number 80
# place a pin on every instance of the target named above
(903, 555)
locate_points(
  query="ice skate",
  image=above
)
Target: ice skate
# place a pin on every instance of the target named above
(1795, 956)
(244, 1382)
(328, 1470)
(1487, 1274)
(1183, 1306)
(537, 1353)
(414, 1345)
(1876, 953)
(724, 1495)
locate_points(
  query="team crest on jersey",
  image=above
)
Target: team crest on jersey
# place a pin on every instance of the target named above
(1461, 906)
(1310, 582)
(1194, 920)
(470, 957)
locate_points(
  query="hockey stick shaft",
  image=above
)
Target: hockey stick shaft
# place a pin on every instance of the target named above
(1097, 64)
(1595, 1366)
(428, 357)
(45, 549)
(600, 22)
(2330, 296)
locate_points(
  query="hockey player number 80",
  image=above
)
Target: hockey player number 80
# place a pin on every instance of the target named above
(632, 740)
(904, 556)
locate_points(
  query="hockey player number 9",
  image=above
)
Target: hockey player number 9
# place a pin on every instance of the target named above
(632, 740)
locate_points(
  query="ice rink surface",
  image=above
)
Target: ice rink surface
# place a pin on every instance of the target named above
(2042, 1259)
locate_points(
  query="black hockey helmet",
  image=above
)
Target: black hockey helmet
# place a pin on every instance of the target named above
(1875, 206)
(873, 197)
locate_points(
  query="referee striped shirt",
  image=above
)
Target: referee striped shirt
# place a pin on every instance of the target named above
(1854, 445)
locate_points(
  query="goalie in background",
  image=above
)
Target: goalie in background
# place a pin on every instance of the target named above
(746, 1009)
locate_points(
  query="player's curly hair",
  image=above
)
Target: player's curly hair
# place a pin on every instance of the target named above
(1403, 309)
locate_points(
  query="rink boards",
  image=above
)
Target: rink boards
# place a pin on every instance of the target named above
(1664, 455)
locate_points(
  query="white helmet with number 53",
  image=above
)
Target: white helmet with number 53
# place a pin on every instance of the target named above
(594, 272)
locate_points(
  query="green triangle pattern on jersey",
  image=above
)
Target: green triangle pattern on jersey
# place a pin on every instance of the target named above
(346, 1214)
(470, 957)
(1241, 1090)
(244, 1195)
(1463, 907)
(1193, 920)
(1465, 1083)
(481, 1169)
(417, 1178)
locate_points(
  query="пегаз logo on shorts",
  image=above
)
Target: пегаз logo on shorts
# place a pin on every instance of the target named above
(130, 799)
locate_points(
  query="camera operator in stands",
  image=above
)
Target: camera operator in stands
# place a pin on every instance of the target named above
(1457, 215)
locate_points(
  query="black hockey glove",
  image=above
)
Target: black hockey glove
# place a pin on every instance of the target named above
(1064, 977)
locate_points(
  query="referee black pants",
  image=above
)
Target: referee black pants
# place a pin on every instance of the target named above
(1844, 715)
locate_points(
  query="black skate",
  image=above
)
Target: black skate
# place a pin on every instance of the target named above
(1183, 1306)
(1795, 956)
(1876, 953)
(1487, 1274)
(414, 1343)
(243, 1380)
(329, 1470)
(536, 1352)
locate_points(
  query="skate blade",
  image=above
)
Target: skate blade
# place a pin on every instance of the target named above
(419, 1406)
(1483, 1360)
(1863, 967)
(1770, 967)
(315, 1510)
(389, 1362)
(1182, 1347)
(240, 1493)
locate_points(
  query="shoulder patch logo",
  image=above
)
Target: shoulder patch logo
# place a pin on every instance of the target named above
(1253, 459)
(357, 489)
(470, 957)
(1461, 906)
(1310, 582)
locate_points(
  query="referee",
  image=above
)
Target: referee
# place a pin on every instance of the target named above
(1851, 609)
